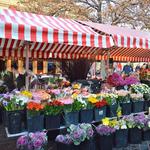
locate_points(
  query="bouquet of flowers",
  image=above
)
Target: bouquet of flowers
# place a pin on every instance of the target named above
(140, 88)
(131, 80)
(53, 108)
(12, 102)
(123, 96)
(32, 141)
(136, 97)
(138, 121)
(34, 108)
(115, 80)
(105, 130)
(109, 97)
(100, 103)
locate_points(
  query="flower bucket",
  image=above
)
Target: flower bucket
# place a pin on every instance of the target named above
(86, 145)
(135, 136)
(126, 108)
(121, 138)
(137, 106)
(146, 105)
(52, 122)
(112, 110)
(15, 121)
(71, 118)
(61, 146)
(99, 113)
(86, 116)
(146, 135)
(104, 142)
(35, 123)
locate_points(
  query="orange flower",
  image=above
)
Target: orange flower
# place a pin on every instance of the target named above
(34, 106)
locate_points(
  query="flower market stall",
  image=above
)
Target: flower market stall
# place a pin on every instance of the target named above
(119, 110)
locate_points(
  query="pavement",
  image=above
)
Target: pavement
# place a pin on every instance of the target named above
(10, 143)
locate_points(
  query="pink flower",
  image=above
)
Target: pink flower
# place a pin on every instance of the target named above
(66, 101)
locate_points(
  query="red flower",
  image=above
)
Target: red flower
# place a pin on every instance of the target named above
(56, 103)
(101, 103)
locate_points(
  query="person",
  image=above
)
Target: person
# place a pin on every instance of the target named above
(9, 78)
(137, 68)
(127, 69)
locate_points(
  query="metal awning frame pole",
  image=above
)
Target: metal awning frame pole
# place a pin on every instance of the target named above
(27, 65)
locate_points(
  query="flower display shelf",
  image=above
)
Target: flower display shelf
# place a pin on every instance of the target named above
(14, 135)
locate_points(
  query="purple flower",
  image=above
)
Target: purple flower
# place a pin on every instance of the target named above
(131, 80)
(105, 130)
(65, 139)
(90, 132)
(22, 141)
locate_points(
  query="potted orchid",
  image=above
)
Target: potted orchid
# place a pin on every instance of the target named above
(124, 101)
(137, 102)
(14, 112)
(78, 137)
(52, 112)
(104, 137)
(32, 141)
(35, 118)
(135, 125)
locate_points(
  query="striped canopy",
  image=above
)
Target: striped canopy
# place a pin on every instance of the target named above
(49, 37)
(130, 45)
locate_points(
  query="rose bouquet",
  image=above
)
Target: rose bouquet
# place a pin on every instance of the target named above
(32, 141)
(100, 103)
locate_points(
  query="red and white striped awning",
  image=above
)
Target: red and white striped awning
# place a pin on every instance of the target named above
(49, 37)
(130, 45)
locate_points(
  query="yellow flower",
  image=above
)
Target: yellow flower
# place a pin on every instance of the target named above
(105, 121)
(27, 94)
(92, 99)
(119, 112)
(76, 86)
(113, 122)
(74, 96)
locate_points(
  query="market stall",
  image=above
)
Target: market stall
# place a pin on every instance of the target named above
(130, 45)
(72, 106)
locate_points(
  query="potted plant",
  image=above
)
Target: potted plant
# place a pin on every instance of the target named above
(112, 104)
(52, 114)
(100, 110)
(135, 125)
(146, 130)
(124, 101)
(35, 119)
(14, 113)
(121, 134)
(32, 141)
(71, 110)
(104, 139)
(137, 102)
(78, 138)
(86, 114)
(142, 89)
(116, 80)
